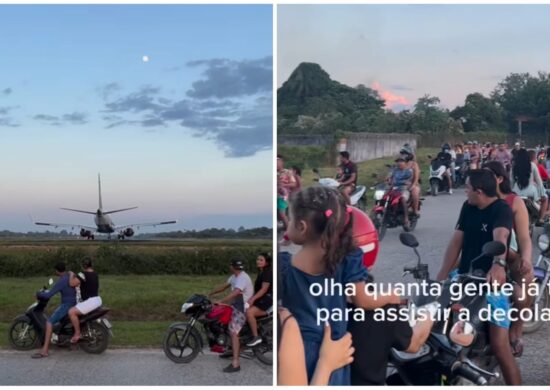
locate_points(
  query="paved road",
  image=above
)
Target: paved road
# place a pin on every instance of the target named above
(125, 367)
(434, 230)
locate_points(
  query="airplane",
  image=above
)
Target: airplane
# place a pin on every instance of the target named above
(103, 222)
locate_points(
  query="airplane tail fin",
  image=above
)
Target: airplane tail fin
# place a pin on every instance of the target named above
(99, 185)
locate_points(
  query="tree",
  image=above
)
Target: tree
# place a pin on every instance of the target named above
(479, 113)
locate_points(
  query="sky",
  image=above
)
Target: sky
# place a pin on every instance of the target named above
(171, 104)
(407, 51)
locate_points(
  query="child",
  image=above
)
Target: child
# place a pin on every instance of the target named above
(321, 223)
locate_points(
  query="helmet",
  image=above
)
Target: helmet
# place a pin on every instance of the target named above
(237, 264)
(365, 236)
(446, 146)
(406, 149)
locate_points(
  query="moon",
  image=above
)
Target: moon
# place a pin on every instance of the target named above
(145, 58)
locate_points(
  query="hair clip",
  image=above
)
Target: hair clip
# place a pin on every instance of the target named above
(328, 213)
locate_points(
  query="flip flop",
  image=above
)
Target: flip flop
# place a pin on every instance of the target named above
(73, 341)
(39, 355)
(517, 347)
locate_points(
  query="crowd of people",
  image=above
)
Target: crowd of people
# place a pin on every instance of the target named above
(497, 179)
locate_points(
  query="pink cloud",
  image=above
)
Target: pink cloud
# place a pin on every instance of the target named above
(391, 99)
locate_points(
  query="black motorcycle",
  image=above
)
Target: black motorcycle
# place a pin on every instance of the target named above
(456, 352)
(184, 340)
(28, 330)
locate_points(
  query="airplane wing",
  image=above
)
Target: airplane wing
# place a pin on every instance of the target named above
(57, 225)
(137, 225)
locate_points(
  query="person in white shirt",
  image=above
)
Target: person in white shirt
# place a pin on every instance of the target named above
(241, 291)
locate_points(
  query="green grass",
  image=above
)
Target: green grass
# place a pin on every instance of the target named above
(130, 298)
(373, 171)
(135, 334)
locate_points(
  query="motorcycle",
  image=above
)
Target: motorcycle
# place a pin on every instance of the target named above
(358, 196)
(183, 340)
(438, 182)
(456, 352)
(28, 330)
(542, 277)
(388, 210)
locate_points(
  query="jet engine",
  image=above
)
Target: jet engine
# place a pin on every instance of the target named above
(86, 233)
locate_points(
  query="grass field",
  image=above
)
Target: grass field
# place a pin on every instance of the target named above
(373, 171)
(142, 307)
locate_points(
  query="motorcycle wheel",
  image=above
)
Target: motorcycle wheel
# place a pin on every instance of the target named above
(95, 338)
(22, 335)
(175, 351)
(264, 351)
(381, 225)
(434, 188)
(412, 224)
(533, 326)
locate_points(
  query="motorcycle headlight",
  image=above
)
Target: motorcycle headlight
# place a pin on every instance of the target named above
(186, 306)
(544, 242)
(378, 194)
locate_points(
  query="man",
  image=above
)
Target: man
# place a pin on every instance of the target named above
(348, 180)
(504, 157)
(88, 281)
(402, 177)
(485, 218)
(407, 154)
(447, 159)
(516, 149)
(241, 291)
(68, 300)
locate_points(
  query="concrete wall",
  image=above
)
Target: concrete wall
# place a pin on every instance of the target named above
(369, 146)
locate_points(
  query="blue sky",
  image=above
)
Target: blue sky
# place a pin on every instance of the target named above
(186, 135)
(406, 51)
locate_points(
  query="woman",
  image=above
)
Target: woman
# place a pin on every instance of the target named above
(262, 300)
(526, 181)
(520, 253)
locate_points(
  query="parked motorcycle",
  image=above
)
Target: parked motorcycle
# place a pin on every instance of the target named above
(542, 277)
(184, 340)
(28, 330)
(456, 352)
(358, 197)
(438, 182)
(388, 210)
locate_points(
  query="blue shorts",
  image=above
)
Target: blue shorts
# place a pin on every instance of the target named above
(61, 311)
(502, 302)
(495, 301)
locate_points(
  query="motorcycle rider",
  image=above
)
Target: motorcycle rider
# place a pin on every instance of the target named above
(446, 158)
(262, 299)
(349, 177)
(484, 218)
(407, 153)
(504, 157)
(68, 300)
(88, 281)
(402, 177)
(241, 291)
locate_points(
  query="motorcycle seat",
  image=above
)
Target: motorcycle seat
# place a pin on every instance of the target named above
(99, 312)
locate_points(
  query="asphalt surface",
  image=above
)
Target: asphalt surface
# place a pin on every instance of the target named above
(129, 367)
(433, 232)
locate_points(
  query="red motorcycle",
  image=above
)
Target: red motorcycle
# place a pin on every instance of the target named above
(388, 210)
(210, 322)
